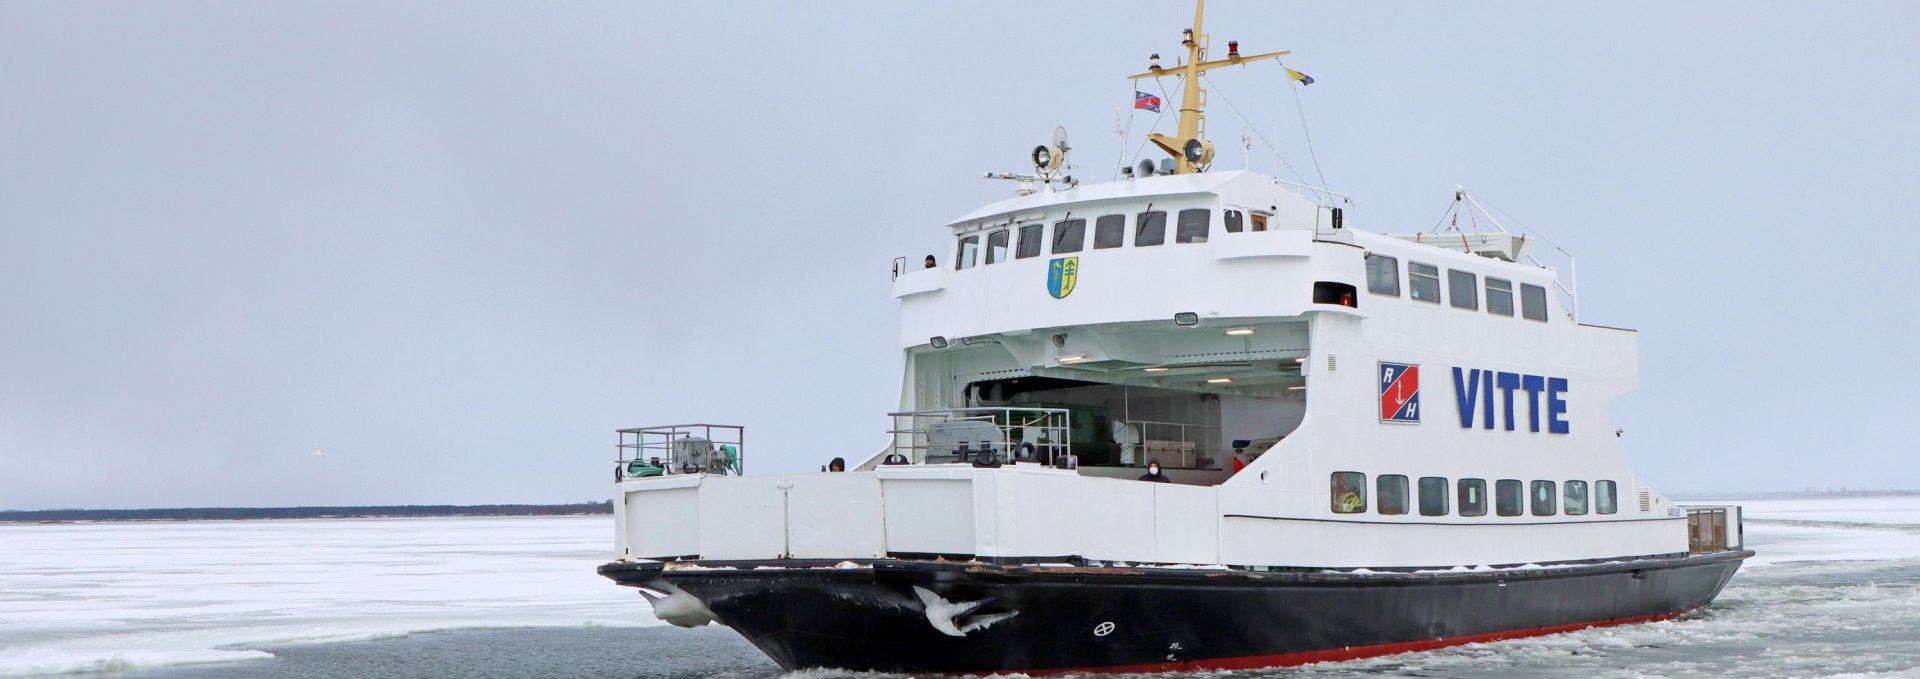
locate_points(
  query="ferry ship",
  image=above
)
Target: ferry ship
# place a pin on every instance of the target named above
(1190, 419)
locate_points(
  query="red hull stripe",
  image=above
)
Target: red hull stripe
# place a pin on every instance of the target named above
(1348, 653)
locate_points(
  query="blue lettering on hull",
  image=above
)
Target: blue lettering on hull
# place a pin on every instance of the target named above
(1473, 390)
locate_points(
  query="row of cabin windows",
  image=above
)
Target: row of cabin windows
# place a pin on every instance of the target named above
(1510, 497)
(1423, 285)
(1109, 231)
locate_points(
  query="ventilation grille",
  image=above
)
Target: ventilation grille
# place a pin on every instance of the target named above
(1646, 500)
(1333, 362)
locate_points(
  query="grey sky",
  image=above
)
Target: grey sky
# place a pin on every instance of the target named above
(455, 245)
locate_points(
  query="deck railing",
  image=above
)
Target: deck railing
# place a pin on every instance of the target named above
(983, 436)
(680, 449)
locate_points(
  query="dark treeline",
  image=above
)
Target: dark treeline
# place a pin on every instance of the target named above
(231, 513)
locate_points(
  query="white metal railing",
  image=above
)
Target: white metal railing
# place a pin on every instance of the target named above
(680, 449)
(1152, 432)
(983, 435)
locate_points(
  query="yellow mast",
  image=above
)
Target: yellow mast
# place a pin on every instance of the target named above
(1191, 148)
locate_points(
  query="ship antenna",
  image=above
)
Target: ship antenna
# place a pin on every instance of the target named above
(1190, 149)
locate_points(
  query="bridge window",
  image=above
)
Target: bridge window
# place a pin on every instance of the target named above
(1544, 497)
(1349, 492)
(1383, 275)
(1508, 498)
(1576, 498)
(1232, 218)
(1193, 226)
(1433, 496)
(1462, 291)
(1605, 497)
(1533, 302)
(1393, 493)
(1069, 236)
(1109, 231)
(1030, 241)
(1149, 228)
(1423, 282)
(1499, 297)
(1473, 497)
(997, 246)
(964, 258)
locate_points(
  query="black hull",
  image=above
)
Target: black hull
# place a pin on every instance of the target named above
(1147, 620)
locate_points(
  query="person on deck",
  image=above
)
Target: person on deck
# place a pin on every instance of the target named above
(1153, 473)
(930, 263)
(837, 465)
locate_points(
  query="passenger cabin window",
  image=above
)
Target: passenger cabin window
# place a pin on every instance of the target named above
(1193, 226)
(1069, 236)
(1473, 497)
(1433, 496)
(964, 258)
(997, 246)
(1349, 492)
(1232, 218)
(1259, 222)
(1029, 241)
(1462, 291)
(1544, 497)
(1508, 498)
(1423, 282)
(1605, 497)
(1383, 275)
(1499, 297)
(1533, 302)
(1393, 493)
(1109, 231)
(1150, 228)
(1576, 503)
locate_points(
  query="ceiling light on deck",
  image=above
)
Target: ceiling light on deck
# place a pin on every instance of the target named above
(1220, 380)
(1239, 332)
(1071, 358)
(1156, 369)
(1297, 387)
(1186, 318)
(1299, 359)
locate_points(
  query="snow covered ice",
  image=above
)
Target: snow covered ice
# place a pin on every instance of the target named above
(116, 596)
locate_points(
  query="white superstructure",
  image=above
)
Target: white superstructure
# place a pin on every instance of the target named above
(1320, 395)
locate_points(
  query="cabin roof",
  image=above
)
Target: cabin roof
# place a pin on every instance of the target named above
(1145, 187)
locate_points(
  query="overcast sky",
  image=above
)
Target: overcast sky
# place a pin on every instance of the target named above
(456, 245)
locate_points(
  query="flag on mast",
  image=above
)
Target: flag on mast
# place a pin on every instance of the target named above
(1302, 77)
(1146, 101)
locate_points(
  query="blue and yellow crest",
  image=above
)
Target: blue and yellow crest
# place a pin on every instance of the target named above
(1061, 274)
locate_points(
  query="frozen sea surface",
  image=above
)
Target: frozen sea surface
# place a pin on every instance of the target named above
(119, 596)
(1835, 592)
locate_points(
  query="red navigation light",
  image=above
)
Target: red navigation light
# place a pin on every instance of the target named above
(1233, 48)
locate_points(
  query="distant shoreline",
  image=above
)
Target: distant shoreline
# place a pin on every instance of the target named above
(266, 513)
(1791, 495)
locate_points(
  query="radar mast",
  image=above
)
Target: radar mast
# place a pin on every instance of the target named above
(1191, 149)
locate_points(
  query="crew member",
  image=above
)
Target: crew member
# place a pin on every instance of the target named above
(930, 263)
(837, 465)
(1153, 473)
